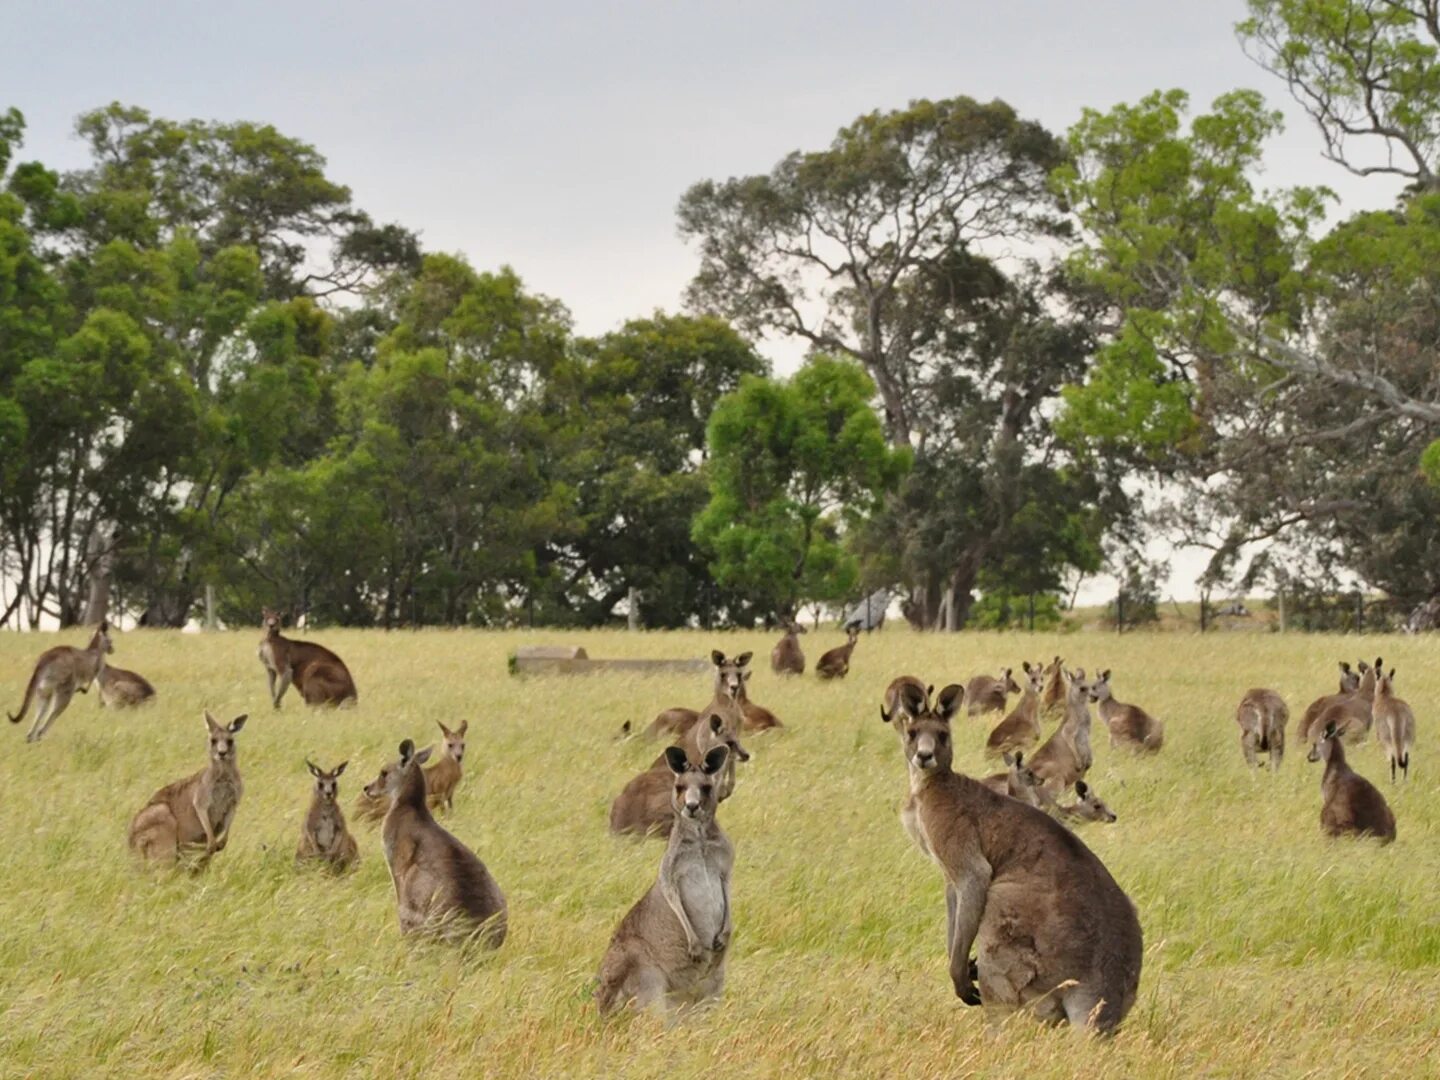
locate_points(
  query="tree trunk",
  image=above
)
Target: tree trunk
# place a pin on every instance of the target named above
(97, 601)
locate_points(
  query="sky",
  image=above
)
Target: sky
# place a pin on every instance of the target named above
(557, 137)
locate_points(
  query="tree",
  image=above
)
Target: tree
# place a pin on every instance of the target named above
(795, 467)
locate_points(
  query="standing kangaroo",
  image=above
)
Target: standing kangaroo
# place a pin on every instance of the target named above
(1021, 729)
(729, 688)
(441, 887)
(323, 836)
(195, 811)
(1053, 699)
(986, 694)
(121, 689)
(1130, 726)
(1052, 930)
(787, 658)
(319, 675)
(643, 806)
(835, 664)
(1394, 725)
(442, 778)
(670, 948)
(58, 674)
(1352, 805)
(1066, 756)
(1350, 708)
(1262, 716)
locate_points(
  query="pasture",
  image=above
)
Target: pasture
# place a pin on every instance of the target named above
(1269, 949)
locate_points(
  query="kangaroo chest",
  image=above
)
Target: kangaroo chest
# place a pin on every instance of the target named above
(224, 797)
(327, 831)
(700, 877)
(269, 654)
(910, 819)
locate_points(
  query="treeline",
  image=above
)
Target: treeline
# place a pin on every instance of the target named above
(218, 373)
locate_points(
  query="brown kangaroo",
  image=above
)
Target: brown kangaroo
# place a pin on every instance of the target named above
(729, 689)
(323, 836)
(1018, 782)
(835, 664)
(754, 718)
(1087, 807)
(670, 948)
(196, 811)
(643, 806)
(1394, 725)
(121, 689)
(58, 674)
(1130, 726)
(1350, 708)
(1262, 716)
(787, 658)
(1021, 729)
(1052, 930)
(1053, 700)
(442, 778)
(1352, 805)
(986, 694)
(441, 887)
(914, 703)
(1066, 756)
(319, 675)
(891, 711)
(374, 807)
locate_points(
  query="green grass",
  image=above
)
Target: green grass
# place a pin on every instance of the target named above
(1270, 950)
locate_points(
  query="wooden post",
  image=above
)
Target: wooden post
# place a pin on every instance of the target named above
(209, 607)
(632, 617)
(1280, 597)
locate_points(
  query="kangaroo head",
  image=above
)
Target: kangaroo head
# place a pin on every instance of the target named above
(327, 784)
(796, 628)
(729, 674)
(714, 731)
(1100, 688)
(1077, 690)
(1349, 680)
(222, 736)
(1034, 676)
(394, 776)
(100, 641)
(1022, 777)
(455, 740)
(270, 620)
(1326, 746)
(852, 635)
(1090, 806)
(927, 729)
(1007, 678)
(696, 795)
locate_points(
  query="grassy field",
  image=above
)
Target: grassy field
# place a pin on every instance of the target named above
(1270, 950)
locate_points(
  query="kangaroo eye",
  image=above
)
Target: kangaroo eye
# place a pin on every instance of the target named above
(944, 738)
(705, 790)
(679, 789)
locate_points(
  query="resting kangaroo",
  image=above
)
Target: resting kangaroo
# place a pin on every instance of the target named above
(787, 658)
(58, 674)
(1394, 725)
(1352, 805)
(440, 885)
(323, 836)
(1018, 781)
(1130, 726)
(1262, 716)
(121, 689)
(835, 664)
(1051, 928)
(985, 693)
(195, 811)
(670, 948)
(370, 807)
(1087, 807)
(643, 806)
(442, 778)
(1349, 708)
(321, 677)
(1066, 756)
(729, 689)
(1021, 729)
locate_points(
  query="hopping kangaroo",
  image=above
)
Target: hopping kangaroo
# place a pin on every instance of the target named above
(644, 805)
(835, 664)
(670, 948)
(1262, 716)
(442, 778)
(321, 677)
(1352, 805)
(1052, 930)
(1394, 725)
(58, 674)
(787, 658)
(1349, 709)
(196, 811)
(729, 689)
(1130, 726)
(1021, 729)
(323, 836)
(121, 689)
(1066, 756)
(987, 694)
(441, 887)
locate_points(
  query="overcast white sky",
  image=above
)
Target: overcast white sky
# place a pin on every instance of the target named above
(557, 137)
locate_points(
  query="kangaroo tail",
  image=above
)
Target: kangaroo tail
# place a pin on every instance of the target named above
(29, 694)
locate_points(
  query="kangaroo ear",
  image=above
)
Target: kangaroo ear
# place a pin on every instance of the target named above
(340, 769)
(911, 699)
(238, 722)
(948, 703)
(745, 676)
(407, 751)
(444, 730)
(884, 716)
(743, 659)
(424, 755)
(715, 759)
(717, 657)
(676, 759)
(1019, 758)
(1010, 761)
(716, 723)
(1345, 666)
(464, 726)
(1081, 788)
(211, 722)
(1392, 674)
(1330, 730)
(1025, 666)
(1105, 675)
(314, 770)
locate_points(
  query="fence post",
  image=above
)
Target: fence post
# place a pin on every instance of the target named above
(632, 619)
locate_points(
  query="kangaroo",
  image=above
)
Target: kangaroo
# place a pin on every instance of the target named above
(1350, 707)
(1262, 716)
(442, 778)
(319, 675)
(1394, 725)
(986, 694)
(754, 717)
(1352, 805)
(1067, 756)
(1130, 726)
(195, 811)
(1087, 807)
(374, 807)
(670, 948)
(643, 806)
(787, 658)
(58, 674)
(1053, 700)
(729, 688)
(1052, 930)
(323, 836)
(1021, 729)
(441, 887)
(913, 704)
(891, 711)
(121, 689)
(1018, 782)
(835, 664)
